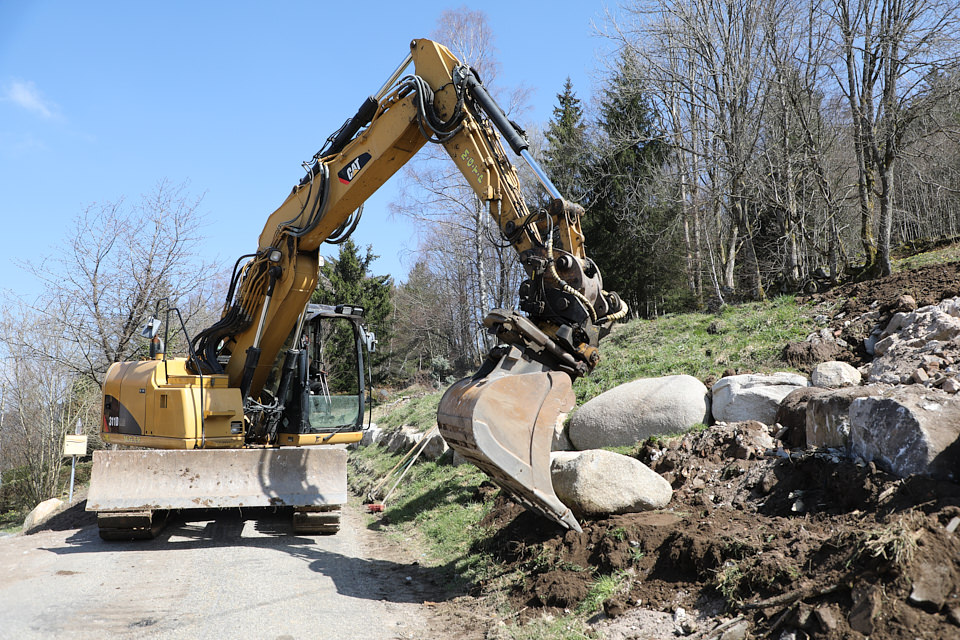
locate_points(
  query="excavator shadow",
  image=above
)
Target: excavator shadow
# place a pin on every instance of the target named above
(270, 529)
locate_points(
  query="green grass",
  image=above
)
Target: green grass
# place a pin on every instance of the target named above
(949, 253)
(748, 337)
(605, 587)
(435, 502)
(562, 628)
(12, 521)
(419, 412)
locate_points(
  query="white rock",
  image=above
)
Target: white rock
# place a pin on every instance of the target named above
(371, 435)
(598, 482)
(634, 411)
(835, 375)
(41, 512)
(753, 396)
(402, 439)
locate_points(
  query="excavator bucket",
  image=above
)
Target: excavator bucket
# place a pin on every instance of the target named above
(502, 420)
(152, 480)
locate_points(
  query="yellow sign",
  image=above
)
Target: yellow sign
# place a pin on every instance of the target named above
(75, 446)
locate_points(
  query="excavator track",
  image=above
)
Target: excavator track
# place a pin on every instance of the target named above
(316, 520)
(140, 524)
(502, 420)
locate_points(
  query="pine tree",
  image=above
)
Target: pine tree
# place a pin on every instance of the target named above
(629, 230)
(347, 280)
(565, 155)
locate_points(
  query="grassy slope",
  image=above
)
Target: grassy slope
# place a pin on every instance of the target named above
(437, 503)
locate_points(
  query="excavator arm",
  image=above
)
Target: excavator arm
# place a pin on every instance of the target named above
(501, 419)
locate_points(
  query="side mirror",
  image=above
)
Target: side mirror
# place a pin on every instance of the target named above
(151, 329)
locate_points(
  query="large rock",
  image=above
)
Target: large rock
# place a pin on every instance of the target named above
(402, 440)
(753, 396)
(908, 430)
(828, 416)
(598, 483)
(639, 409)
(371, 435)
(41, 513)
(834, 375)
(792, 415)
(435, 446)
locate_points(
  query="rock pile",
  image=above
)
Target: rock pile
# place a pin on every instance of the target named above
(901, 411)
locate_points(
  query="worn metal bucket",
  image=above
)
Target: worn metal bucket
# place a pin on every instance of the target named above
(214, 478)
(502, 420)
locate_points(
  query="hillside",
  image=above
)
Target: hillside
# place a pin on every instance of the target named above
(794, 544)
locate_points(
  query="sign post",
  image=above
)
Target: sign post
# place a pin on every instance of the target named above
(73, 446)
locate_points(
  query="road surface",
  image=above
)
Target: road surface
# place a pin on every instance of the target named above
(217, 575)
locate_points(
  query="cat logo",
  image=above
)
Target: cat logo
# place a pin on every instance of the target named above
(351, 170)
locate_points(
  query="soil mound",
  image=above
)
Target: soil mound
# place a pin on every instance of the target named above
(803, 541)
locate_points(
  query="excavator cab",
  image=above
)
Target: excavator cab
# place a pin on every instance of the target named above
(329, 393)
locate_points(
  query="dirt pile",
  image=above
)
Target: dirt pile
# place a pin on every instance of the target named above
(797, 542)
(759, 540)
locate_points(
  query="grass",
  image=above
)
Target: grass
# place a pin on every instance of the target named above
(12, 521)
(418, 411)
(435, 502)
(605, 587)
(748, 337)
(949, 253)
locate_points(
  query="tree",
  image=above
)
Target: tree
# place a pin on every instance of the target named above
(565, 155)
(347, 280)
(887, 51)
(630, 225)
(117, 262)
(43, 400)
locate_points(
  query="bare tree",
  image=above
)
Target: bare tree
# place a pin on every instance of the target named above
(43, 398)
(115, 265)
(706, 65)
(888, 50)
(459, 243)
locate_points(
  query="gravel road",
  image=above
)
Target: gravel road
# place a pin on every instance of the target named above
(225, 576)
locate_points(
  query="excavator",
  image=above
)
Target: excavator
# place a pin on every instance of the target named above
(243, 419)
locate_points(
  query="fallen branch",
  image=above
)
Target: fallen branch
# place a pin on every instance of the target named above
(790, 597)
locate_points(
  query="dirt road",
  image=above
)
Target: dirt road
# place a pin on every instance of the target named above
(219, 575)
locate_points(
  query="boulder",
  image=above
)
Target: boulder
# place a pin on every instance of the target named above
(792, 415)
(753, 396)
(834, 375)
(827, 422)
(908, 430)
(402, 440)
(916, 340)
(41, 513)
(371, 435)
(434, 447)
(598, 483)
(634, 411)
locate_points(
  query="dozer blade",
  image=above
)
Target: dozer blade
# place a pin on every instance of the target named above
(217, 478)
(502, 420)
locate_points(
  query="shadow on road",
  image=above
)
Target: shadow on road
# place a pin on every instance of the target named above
(270, 529)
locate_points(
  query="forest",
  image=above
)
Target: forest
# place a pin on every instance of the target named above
(729, 150)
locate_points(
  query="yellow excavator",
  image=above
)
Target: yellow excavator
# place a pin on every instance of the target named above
(248, 417)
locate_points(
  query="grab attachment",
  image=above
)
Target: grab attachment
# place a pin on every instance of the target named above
(502, 420)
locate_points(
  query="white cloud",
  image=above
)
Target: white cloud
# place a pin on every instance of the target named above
(26, 95)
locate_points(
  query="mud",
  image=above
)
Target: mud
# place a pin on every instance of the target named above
(788, 542)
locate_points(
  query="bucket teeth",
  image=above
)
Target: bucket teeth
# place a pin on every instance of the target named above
(502, 420)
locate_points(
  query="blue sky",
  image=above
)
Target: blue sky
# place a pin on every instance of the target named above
(102, 100)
